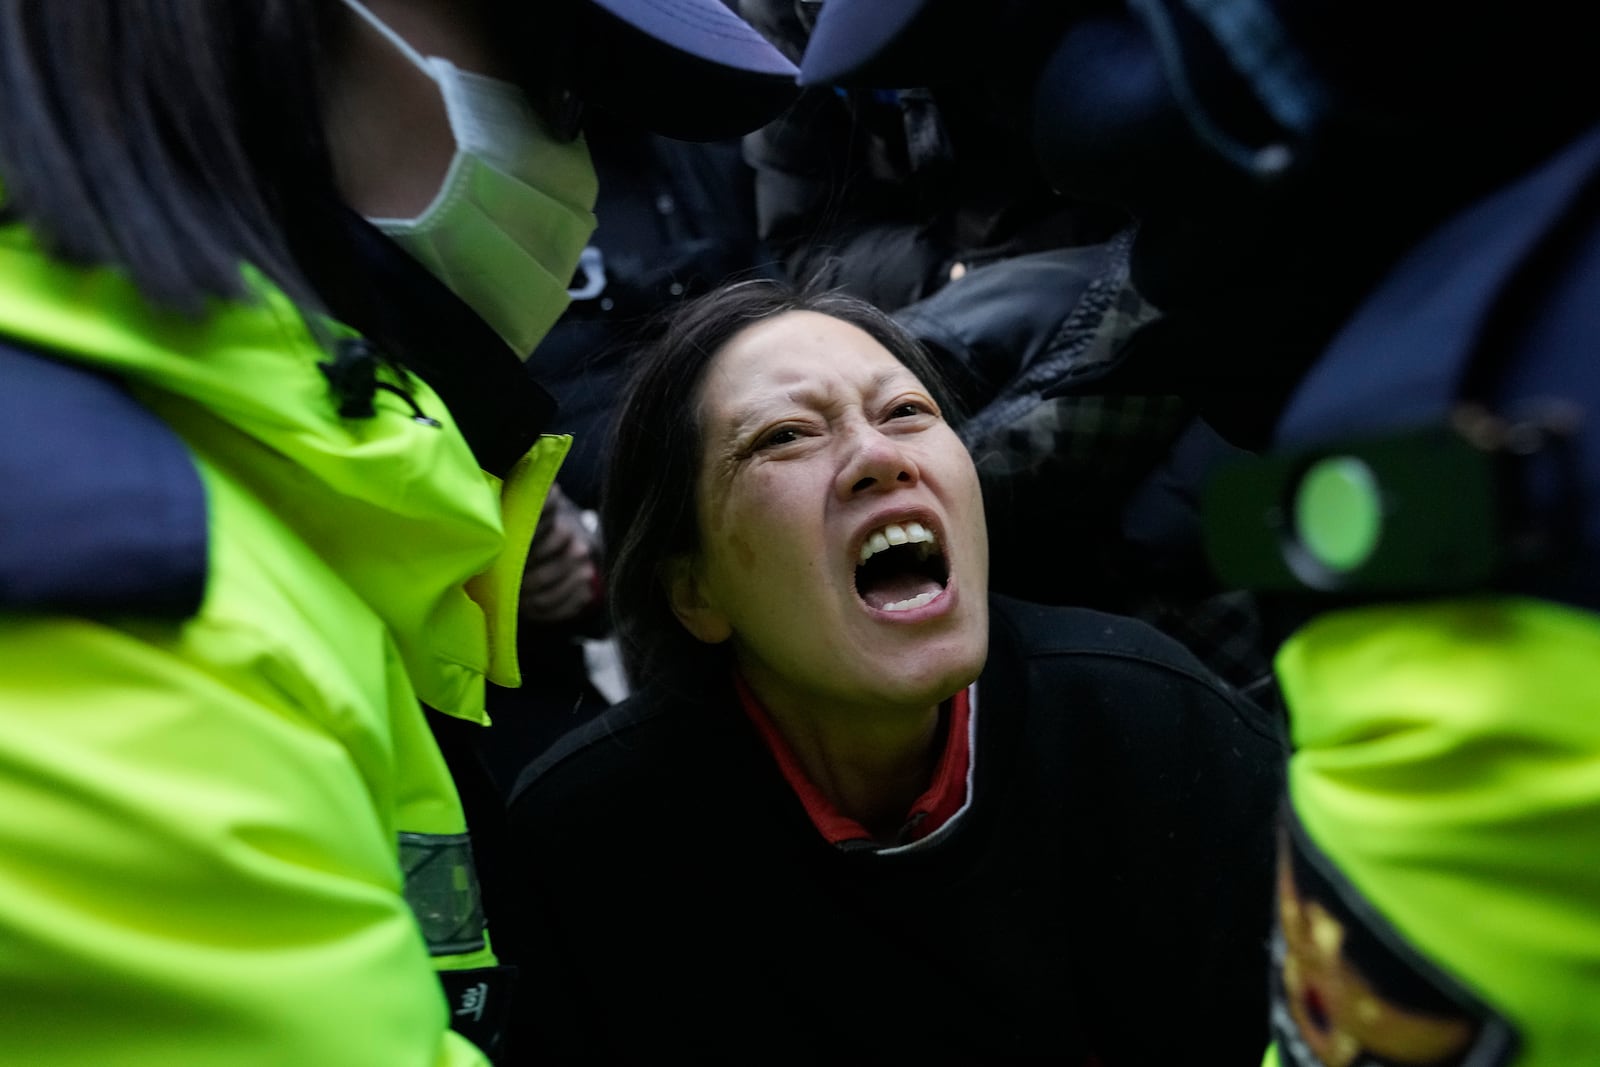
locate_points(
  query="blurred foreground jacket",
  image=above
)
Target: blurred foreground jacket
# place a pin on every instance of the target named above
(212, 645)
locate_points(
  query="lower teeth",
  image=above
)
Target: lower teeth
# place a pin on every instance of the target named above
(915, 602)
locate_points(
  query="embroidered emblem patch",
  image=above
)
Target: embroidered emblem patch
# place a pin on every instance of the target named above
(1348, 991)
(442, 889)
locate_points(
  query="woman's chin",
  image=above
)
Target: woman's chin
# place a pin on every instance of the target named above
(930, 675)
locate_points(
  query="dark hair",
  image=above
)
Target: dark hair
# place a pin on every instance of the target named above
(648, 513)
(175, 139)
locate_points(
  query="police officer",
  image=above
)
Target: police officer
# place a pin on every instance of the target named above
(268, 473)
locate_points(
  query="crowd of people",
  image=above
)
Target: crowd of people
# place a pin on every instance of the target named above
(799, 530)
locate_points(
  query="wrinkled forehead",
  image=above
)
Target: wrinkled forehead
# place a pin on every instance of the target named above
(798, 357)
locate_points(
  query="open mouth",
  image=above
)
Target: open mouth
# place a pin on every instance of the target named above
(901, 567)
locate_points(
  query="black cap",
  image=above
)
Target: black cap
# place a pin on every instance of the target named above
(705, 29)
(904, 44)
(690, 69)
(857, 42)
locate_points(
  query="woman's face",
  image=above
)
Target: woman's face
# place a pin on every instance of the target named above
(842, 541)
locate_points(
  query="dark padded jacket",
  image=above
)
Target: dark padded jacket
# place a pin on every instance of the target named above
(1106, 893)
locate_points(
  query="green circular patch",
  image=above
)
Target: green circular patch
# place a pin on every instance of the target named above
(1338, 512)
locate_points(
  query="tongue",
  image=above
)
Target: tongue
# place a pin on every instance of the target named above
(892, 589)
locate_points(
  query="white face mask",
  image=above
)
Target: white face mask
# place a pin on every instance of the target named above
(514, 211)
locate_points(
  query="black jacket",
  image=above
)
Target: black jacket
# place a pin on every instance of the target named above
(1107, 892)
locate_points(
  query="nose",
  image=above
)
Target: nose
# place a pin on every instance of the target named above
(876, 462)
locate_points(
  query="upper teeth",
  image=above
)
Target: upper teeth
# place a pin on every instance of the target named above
(911, 533)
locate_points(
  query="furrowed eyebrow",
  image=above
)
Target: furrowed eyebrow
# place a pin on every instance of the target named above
(893, 377)
(742, 420)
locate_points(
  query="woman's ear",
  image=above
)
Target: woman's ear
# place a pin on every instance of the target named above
(689, 602)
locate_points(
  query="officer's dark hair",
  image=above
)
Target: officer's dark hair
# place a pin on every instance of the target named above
(648, 508)
(174, 139)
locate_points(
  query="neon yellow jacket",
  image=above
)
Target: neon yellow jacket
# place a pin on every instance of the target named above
(199, 845)
(1447, 772)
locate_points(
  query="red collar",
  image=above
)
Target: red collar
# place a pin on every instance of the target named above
(945, 796)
